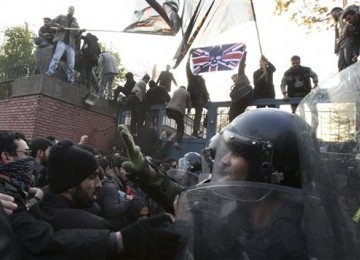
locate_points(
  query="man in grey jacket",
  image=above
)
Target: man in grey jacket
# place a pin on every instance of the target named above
(175, 109)
(108, 69)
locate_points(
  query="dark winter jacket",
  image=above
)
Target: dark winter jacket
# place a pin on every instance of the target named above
(90, 50)
(63, 213)
(37, 239)
(112, 205)
(196, 87)
(298, 81)
(264, 88)
(157, 95)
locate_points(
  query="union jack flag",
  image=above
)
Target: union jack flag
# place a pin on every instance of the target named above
(217, 58)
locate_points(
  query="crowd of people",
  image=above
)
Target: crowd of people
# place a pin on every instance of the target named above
(80, 54)
(65, 191)
(240, 196)
(239, 199)
(64, 33)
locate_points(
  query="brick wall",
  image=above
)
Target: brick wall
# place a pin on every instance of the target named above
(40, 115)
(18, 114)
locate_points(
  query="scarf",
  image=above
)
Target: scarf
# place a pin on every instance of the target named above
(19, 172)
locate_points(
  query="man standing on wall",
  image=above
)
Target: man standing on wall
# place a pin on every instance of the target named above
(165, 79)
(65, 39)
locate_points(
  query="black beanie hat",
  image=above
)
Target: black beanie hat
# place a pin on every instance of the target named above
(68, 166)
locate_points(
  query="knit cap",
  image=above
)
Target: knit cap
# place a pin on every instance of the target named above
(68, 166)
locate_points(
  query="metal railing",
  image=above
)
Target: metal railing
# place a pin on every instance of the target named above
(8, 75)
(20, 71)
(216, 114)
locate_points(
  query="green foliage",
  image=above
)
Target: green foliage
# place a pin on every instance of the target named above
(17, 47)
(312, 14)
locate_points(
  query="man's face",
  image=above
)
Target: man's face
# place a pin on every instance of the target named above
(47, 22)
(86, 193)
(22, 150)
(236, 166)
(295, 64)
(144, 213)
(335, 15)
(71, 11)
(120, 172)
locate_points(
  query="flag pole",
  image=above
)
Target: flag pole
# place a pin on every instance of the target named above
(256, 26)
(83, 29)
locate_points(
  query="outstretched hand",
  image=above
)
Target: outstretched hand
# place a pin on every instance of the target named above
(137, 163)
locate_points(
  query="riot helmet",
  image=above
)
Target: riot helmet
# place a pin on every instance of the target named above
(208, 154)
(259, 146)
(190, 162)
(188, 172)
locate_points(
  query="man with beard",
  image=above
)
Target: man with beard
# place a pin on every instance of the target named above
(37, 238)
(40, 148)
(296, 81)
(74, 184)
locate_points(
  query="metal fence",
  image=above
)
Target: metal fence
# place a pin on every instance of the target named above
(20, 71)
(8, 75)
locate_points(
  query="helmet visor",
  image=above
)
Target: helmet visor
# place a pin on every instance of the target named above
(235, 153)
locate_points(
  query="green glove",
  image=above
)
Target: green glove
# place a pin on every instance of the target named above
(137, 164)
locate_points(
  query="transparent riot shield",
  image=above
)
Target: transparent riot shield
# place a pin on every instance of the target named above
(329, 157)
(186, 178)
(241, 220)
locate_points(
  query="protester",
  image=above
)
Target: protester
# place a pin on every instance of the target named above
(168, 164)
(126, 89)
(138, 209)
(296, 81)
(351, 16)
(344, 45)
(241, 92)
(37, 238)
(65, 40)
(263, 80)
(148, 139)
(175, 109)
(108, 70)
(113, 205)
(46, 34)
(74, 184)
(165, 79)
(40, 149)
(90, 52)
(137, 103)
(125, 185)
(199, 97)
(156, 95)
